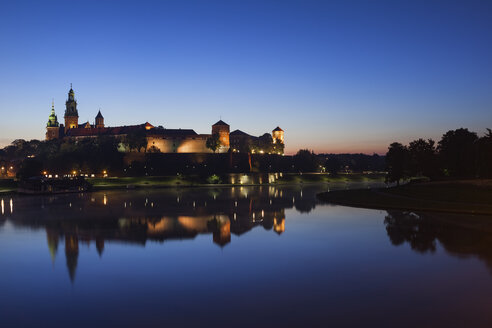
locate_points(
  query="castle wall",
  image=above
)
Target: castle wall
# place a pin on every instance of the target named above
(166, 144)
(189, 144)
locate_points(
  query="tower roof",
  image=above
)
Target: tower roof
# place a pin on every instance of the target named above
(278, 129)
(220, 122)
(53, 119)
(239, 133)
(99, 115)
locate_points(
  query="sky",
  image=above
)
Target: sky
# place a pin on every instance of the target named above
(336, 76)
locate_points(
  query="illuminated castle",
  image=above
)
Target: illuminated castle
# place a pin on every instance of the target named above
(159, 139)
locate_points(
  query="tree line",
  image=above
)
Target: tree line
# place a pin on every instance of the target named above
(459, 154)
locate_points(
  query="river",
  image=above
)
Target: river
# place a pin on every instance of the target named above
(237, 257)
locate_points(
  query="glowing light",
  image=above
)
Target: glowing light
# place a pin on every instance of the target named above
(105, 199)
(3, 207)
(11, 206)
(278, 225)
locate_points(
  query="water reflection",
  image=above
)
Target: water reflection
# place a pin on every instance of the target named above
(141, 216)
(250, 244)
(459, 235)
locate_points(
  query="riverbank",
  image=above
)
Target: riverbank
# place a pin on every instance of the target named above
(464, 196)
(251, 179)
(231, 180)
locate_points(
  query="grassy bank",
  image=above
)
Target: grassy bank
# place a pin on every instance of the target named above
(306, 178)
(191, 180)
(7, 186)
(469, 196)
(226, 180)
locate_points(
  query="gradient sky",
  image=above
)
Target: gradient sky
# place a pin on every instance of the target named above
(337, 76)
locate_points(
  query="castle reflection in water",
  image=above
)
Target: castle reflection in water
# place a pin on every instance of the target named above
(139, 216)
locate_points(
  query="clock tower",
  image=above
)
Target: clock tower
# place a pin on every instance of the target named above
(71, 113)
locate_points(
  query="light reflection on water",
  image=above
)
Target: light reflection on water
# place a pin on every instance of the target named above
(273, 253)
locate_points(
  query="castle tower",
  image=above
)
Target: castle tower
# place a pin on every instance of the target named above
(222, 129)
(71, 113)
(52, 127)
(72, 254)
(278, 135)
(99, 120)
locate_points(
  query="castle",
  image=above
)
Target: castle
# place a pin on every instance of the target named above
(158, 139)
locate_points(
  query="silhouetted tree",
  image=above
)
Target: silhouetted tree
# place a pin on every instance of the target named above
(484, 155)
(397, 159)
(213, 142)
(332, 165)
(423, 158)
(136, 140)
(30, 167)
(306, 161)
(456, 153)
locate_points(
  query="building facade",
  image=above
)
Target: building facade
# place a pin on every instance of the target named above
(159, 139)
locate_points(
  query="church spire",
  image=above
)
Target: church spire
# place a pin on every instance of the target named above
(71, 94)
(53, 120)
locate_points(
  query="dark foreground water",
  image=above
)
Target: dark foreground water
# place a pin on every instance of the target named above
(243, 256)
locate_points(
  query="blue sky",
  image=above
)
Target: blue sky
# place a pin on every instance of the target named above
(337, 76)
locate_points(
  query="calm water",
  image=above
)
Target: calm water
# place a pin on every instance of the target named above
(243, 256)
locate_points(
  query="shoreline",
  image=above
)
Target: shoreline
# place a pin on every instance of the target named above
(164, 182)
(460, 197)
